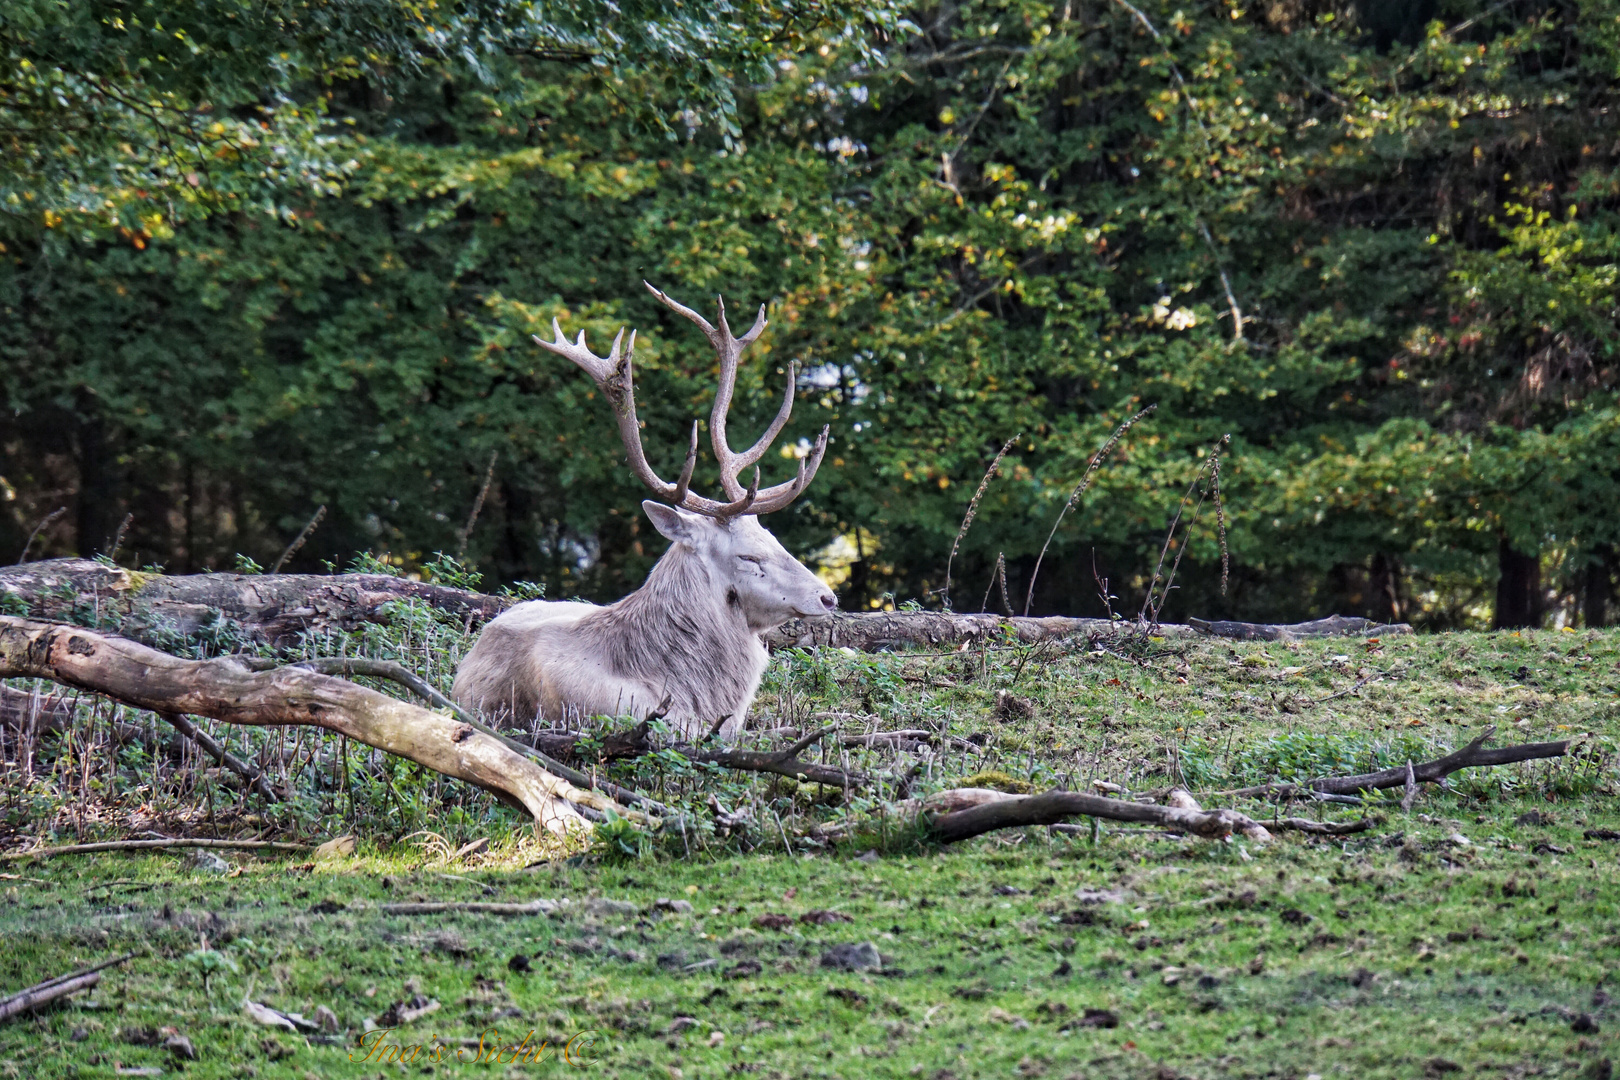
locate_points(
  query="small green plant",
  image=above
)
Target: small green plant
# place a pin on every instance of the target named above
(525, 590)
(451, 572)
(369, 563)
(245, 564)
(209, 962)
(619, 840)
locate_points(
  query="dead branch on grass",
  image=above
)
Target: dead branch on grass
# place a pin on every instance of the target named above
(1472, 756)
(398, 673)
(151, 845)
(226, 690)
(963, 813)
(533, 907)
(57, 988)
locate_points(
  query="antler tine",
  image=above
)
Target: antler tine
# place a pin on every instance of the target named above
(745, 502)
(780, 495)
(754, 453)
(599, 368)
(615, 376)
(685, 481)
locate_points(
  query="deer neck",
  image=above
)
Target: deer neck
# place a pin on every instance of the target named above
(681, 631)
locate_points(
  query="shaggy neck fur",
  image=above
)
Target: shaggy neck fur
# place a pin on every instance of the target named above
(682, 631)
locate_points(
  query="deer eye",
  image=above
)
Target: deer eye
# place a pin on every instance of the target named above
(755, 559)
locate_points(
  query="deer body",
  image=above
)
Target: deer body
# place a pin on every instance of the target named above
(687, 643)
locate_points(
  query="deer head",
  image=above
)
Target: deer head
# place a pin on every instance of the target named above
(756, 572)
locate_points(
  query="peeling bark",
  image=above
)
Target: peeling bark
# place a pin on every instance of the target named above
(226, 690)
(270, 608)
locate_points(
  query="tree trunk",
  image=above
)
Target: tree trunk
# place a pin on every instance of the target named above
(1598, 587)
(1518, 589)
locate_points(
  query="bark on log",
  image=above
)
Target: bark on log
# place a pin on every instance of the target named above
(225, 690)
(1332, 626)
(59, 987)
(275, 609)
(963, 813)
(270, 608)
(875, 631)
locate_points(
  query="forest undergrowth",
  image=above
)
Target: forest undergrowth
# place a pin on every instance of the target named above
(1473, 932)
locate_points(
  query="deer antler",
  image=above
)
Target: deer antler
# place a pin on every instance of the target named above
(612, 375)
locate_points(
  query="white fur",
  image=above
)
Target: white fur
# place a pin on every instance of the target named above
(690, 634)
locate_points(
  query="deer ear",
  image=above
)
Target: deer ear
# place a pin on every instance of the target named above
(673, 524)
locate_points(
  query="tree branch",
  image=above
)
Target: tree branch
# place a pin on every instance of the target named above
(1472, 756)
(225, 690)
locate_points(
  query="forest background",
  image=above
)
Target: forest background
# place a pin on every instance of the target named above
(257, 258)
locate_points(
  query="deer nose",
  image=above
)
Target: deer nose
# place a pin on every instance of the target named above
(829, 601)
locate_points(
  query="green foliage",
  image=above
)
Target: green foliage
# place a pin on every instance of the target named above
(450, 571)
(1013, 217)
(619, 840)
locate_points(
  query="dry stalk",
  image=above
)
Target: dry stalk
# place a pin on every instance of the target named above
(44, 523)
(1149, 615)
(1079, 490)
(478, 505)
(292, 548)
(972, 512)
(998, 576)
(118, 536)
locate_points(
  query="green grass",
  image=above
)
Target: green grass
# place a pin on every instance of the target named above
(1453, 938)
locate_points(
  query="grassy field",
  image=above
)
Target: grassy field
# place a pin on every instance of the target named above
(1477, 934)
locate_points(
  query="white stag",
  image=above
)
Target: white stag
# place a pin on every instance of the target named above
(687, 642)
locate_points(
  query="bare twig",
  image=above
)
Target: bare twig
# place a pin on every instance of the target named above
(254, 777)
(972, 511)
(298, 542)
(1231, 300)
(533, 907)
(44, 522)
(1079, 490)
(998, 576)
(151, 845)
(465, 534)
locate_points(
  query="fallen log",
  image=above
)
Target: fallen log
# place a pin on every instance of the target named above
(398, 673)
(225, 689)
(877, 631)
(151, 845)
(54, 989)
(276, 609)
(963, 813)
(1332, 626)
